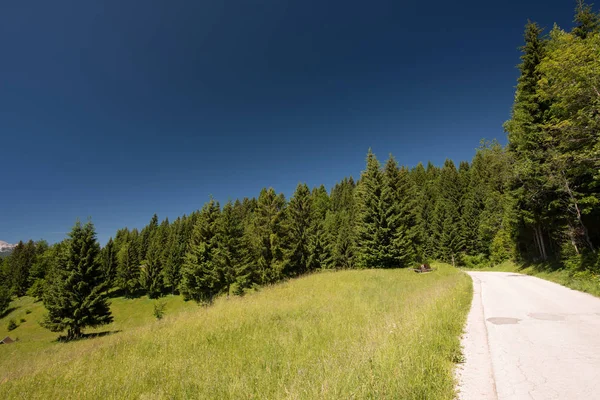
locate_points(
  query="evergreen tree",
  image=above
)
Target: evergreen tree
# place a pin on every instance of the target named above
(175, 251)
(446, 218)
(200, 277)
(587, 21)
(109, 262)
(267, 236)
(5, 299)
(299, 223)
(151, 277)
(318, 244)
(75, 297)
(526, 141)
(381, 243)
(340, 226)
(402, 218)
(128, 271)
(146, 237)
(229, 254)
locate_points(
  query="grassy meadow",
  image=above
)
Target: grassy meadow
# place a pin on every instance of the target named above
(331, 335)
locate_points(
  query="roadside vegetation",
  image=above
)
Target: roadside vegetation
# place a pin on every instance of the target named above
(348, 334)
(585, 281)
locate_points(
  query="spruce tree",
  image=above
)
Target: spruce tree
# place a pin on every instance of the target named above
(267, 234)
(318, 244)
(401, 212)
(151, 277)
(527, 140)
(299, 212)
(128, 271)
(109, 262)
(175, 252)
(586, 20)
(75, 297)
(381, 243)
(200, 277)
(446, 219)
(340, 226)
(229, 254)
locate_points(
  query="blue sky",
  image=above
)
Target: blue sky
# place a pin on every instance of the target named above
(118, 110)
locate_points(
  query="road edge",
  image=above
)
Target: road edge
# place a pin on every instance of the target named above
(475, 376)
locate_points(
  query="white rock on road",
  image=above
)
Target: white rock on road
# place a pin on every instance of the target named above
(527, 338)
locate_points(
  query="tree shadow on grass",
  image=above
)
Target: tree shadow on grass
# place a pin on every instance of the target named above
(8, 311)
(86, 336)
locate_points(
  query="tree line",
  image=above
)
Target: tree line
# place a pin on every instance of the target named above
(534, 200)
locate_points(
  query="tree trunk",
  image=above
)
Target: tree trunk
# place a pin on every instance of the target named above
(578, 213)
(541, 244)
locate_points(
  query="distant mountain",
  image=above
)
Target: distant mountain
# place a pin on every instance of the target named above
(6, 248)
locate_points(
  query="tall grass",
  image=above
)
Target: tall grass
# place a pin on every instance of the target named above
(351, 334)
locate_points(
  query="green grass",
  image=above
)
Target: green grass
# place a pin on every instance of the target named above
(583, 281)
(351, 334)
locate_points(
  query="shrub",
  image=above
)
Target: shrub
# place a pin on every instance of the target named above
(12, 325)
(159, 308)
(478, 261)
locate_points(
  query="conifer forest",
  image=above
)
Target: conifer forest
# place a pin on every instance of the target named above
(534, 201)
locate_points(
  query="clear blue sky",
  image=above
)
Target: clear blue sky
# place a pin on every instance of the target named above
(120, 109)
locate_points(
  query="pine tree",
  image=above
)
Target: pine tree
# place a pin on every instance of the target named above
(299, 220)
(588, 22)
(446, 219)
(318, 245)
(146, 236)
(340, 226)
(128, 271)
(200, 277)
(175, 252)
(402, 218)
(5, 299)
(151, 277)
(381, 243)
(75, 297)
(109, 262)
(526, 142)
(229, 254)
(267, 236)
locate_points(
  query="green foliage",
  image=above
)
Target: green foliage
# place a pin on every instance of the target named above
(383, 220)
(159, 309)
(75, 294)
(447, 215)
(109, 262)
(230, 254)
(200, 275)
(128, 270)
(5, 298)
(267, 237)
(299, 223)
(588, 22)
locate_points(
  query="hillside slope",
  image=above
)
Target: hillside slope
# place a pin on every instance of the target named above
(349, 334)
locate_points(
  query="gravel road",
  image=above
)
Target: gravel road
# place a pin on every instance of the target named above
(527, 338)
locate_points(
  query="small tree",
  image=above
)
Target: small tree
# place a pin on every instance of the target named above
(76, 293)
(4, 299)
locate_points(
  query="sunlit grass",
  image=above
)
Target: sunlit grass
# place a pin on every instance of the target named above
(350, 334)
